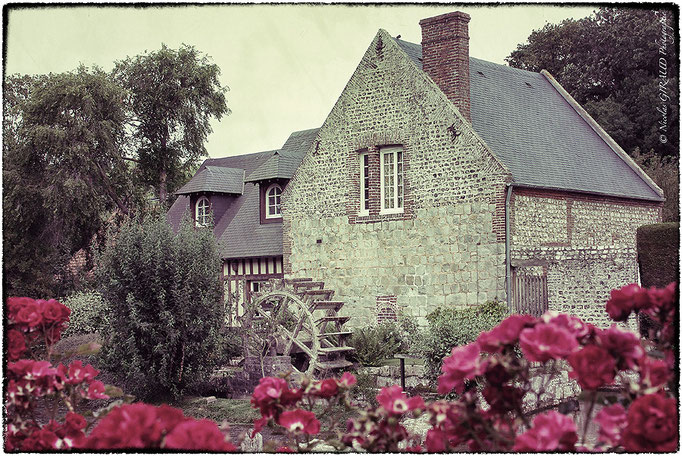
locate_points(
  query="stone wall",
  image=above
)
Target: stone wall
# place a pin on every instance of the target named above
(447, 247)
(585, 244)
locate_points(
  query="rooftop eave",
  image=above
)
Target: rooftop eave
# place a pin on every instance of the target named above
(586, 192)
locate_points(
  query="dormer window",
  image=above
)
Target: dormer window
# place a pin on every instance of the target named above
(202, 212)
(273, 198)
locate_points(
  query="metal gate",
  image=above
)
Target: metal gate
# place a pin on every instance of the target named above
(529, 292)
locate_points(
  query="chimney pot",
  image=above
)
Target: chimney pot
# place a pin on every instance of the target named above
(445, 56)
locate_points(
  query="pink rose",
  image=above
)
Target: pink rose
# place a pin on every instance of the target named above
(14, 305)
(653, 372)
(29, 314)
(592, 367)
(624, 346)
(506, 333)
(463, 364)
(547, 341)
(127, 426)
(395, 402)
(652, 425)
(612, 421)
(628, 299)
(201, 435)
(300, 421)
(574, 325)
(16, 344)
(54, 312)
(347, 380)
(96, 390)
(551, 431)
(325, 389)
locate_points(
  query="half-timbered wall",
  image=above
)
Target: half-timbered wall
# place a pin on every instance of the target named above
(243, 277)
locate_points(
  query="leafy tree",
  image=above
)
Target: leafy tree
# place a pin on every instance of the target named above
(617, 76)
(164, 298)
(63, 171)
(173, 97)
(663, 171)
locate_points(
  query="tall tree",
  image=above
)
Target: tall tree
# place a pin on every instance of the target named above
(63, 171)
(610, 63)
(173, 95)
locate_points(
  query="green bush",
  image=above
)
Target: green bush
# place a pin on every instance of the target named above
(450, 327)
(376, 344)
(658, 247)
(89, 313)
(164, 293)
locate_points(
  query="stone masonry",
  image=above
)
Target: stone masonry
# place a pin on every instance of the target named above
(447, 248)
(586, 245)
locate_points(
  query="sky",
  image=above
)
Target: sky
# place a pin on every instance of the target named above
(285, 65)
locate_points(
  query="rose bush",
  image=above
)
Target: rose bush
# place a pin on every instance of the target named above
(489, 413)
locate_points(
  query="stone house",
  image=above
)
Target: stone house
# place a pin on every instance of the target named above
(438, 179)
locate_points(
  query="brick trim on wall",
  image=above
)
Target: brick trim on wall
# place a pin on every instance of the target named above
(386, 308)
(374, 202)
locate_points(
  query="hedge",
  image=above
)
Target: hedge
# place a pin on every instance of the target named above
(658, 247)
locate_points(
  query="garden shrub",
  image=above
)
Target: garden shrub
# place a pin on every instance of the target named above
(164, 292)
(451, 327)
(658, 248)
(89, 313)
(376, 344)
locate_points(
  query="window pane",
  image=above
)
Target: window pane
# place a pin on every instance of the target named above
(273, 199)
(389, 181)
(399, 177)
(365, 183)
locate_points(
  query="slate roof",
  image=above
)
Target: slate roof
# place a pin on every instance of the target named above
(215, 179)
(539, 136)
(239, 231)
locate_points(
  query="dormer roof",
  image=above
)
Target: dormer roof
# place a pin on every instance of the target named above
(215, 179)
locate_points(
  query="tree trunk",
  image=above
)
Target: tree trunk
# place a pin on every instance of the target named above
(162, 187)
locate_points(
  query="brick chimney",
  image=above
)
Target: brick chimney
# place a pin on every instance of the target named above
(445, 56)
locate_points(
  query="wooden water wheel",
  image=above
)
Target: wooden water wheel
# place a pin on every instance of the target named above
(298, 318)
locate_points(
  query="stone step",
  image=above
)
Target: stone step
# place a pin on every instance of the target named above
(331, 334)
(336, 318)
(308, 284)
(298, 280)
(328, 305)
(335, 364)
(334, 350)
(325, 294)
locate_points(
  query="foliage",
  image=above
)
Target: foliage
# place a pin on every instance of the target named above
(645, 420)
(658, 248)
(164, 295)
(376, 344)
(614, 74)
(62, 170)
(453, 327)
(173, 95)
(33, 327)
(89, 313)
(665, 172)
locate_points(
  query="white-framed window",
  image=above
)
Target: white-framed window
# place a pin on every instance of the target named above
(392, 184)
(273, 201)
(364, 183)
(202, 212)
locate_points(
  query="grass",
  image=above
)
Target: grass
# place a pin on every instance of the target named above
(233, 410)
(408, 362)
(239, 411)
